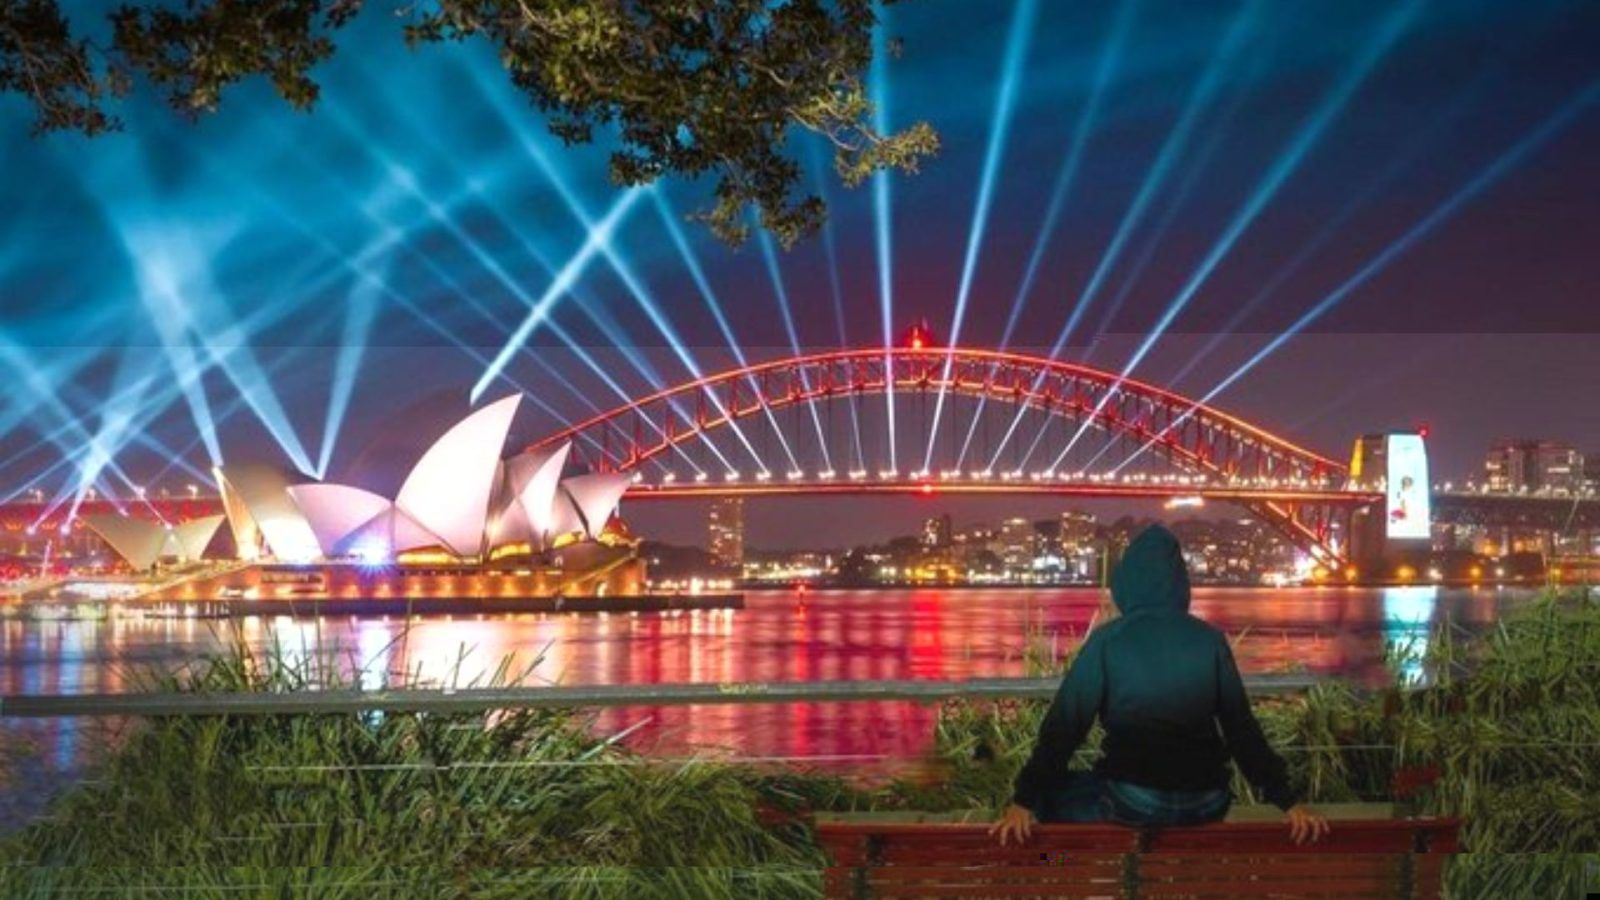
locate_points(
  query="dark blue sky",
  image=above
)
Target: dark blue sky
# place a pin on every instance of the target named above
(239, 255)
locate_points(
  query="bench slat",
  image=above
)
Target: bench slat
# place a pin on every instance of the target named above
(1018, 857)
(989, 889)
(969, 873)
(1312, 887)
(1266, 867)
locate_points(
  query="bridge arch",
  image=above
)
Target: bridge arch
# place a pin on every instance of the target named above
(1293, 488)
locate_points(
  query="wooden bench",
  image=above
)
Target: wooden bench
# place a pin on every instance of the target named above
(1255, 859)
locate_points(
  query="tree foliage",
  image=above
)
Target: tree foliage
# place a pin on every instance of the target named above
(685, 88)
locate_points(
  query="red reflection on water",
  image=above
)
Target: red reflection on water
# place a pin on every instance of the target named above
(780, 636)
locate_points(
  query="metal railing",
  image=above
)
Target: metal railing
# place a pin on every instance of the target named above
(470, 700)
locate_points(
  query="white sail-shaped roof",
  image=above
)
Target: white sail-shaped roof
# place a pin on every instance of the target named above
(190, 539)
(334, 511)
(534, 477)
(372, 540)
(564, 517)
(508, 523)
(246, 533)
(264, 492)
(387, 533)
(596, 497)
(409, 534)
(449, 490)
(138, 541)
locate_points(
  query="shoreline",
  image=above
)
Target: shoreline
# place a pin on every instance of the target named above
(385, 607)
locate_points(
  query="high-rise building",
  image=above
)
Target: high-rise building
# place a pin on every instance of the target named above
(1530, 466)
(1077, 529)
(936, 532)
(1015, 545)
(726, 531)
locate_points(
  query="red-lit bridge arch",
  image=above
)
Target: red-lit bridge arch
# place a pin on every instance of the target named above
(1012, 424)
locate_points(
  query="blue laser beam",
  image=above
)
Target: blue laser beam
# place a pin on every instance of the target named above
(654, 311)
(175, 459)
(157, 294)
(346, 266)
(390, 235)
(1191, 180)
(1140, 262)
(1505, 163)
(1180, 197)
(999, 129)
(775, 272)
(1418, 146)
(91, 452)
(180, 298)
(49, 395)
(361, 309)
(837, 291)
(1211, 81)
(1110, 59)
(559, 286)
(691, 261)
(883, 222)
(1088, 119)
(440, 214)
(641, 295)
(1394, 25)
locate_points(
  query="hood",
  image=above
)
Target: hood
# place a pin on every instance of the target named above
(1152, 575)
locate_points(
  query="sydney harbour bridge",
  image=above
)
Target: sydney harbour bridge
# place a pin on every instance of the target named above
(928, 421)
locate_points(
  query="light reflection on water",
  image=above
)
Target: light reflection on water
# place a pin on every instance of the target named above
(780, 636)
(1407, 620)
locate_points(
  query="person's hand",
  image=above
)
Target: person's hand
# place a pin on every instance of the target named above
(1016, 823)
(1305, 826)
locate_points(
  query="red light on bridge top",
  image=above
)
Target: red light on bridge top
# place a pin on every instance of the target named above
(1422, 431)
(919, 336)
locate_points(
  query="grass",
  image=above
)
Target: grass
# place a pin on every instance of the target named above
(534, 804)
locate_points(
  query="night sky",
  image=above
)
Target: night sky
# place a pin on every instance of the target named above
(1414, 187)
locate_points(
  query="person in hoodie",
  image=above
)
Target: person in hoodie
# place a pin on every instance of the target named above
(1168, 693)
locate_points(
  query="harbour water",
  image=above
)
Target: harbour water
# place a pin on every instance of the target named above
(780, 636)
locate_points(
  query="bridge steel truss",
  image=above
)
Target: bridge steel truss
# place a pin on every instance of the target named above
(1299, 492)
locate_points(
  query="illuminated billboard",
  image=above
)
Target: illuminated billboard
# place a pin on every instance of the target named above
(1406, 486)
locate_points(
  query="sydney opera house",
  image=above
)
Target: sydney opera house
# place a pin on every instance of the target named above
(477, 522)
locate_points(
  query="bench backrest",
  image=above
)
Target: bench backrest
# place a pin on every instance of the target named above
(1400, 858)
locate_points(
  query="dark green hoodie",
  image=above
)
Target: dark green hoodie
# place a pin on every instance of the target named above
(1165, 687)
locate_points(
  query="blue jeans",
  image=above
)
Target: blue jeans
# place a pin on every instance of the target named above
(1087, 797)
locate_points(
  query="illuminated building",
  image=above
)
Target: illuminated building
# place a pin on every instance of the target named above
(1016, 545)
(936, 532)
(1077, 530)
(460, 504)
(725, 525)
(1531, 466)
